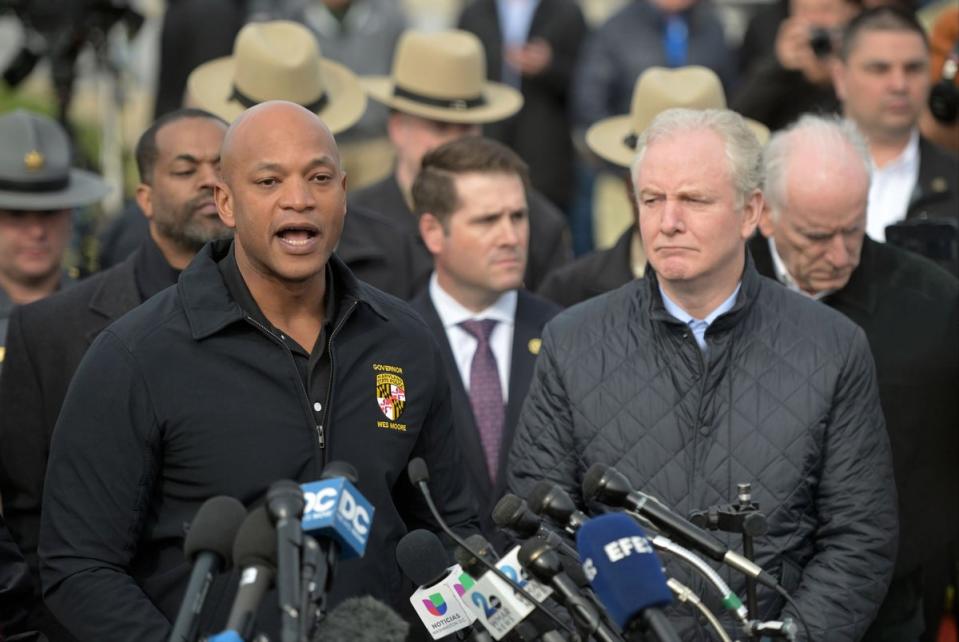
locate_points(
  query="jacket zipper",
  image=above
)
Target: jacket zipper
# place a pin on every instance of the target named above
(320, 429)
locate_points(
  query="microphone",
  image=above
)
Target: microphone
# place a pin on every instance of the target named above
(626, 574)
(550, 500)
(526, 628)
(543, 562)
(465, 557)
(512, 513)
(419, 477)
(362, 619)
(438, 600)
(284, 501)
(255, 554)
(338, 516)
(208, 545)
(608, 486)
(336, 511)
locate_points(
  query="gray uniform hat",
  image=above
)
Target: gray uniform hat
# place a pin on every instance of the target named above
(35, 172)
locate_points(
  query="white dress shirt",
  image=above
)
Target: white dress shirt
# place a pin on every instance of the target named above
(891, 189)
(463, 344)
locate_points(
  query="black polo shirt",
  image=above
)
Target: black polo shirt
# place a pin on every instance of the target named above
(314, 367)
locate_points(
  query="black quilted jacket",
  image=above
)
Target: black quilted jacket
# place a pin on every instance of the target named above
(786, 400)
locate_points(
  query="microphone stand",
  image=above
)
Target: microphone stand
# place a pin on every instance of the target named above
(310, 563)
(744, 518)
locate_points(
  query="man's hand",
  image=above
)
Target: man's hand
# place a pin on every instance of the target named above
(532, 58)
(795, 53)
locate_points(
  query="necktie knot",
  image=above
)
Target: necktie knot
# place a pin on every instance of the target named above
(481, 329)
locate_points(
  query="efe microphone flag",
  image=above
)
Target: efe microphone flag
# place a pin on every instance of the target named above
(625, 573)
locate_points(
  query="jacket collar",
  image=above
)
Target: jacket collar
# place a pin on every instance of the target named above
(862, 290)
(209, 307)
(931, 184)
(117, 293)
(751, 283)
(616, 265)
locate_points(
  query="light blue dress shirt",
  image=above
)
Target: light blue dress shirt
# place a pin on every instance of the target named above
(515, 18)
(699, 326)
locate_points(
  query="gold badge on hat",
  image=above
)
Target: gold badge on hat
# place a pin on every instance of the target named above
(534, 345)
(939, 184)
(34, 160)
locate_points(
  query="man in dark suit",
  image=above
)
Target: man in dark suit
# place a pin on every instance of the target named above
(178, 157)
(437, 93)
(882, 79)
(533, 46)
(471, 200)
(817, 181)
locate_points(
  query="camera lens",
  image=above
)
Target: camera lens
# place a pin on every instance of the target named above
(820, 41)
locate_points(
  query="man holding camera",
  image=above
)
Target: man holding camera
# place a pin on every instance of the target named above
(794, 78)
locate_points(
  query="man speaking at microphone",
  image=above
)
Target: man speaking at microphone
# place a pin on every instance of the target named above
(704, 374)
(267, 360)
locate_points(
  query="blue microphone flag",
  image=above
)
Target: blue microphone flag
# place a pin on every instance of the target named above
(336, 510)
(622, 568)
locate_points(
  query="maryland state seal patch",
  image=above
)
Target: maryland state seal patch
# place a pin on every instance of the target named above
(390, 395)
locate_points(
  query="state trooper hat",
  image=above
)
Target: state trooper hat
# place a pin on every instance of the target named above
(35, 171)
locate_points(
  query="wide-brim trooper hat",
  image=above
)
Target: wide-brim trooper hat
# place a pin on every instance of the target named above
(35, 171)
(278, 60)
(658, 89)
(442, 76)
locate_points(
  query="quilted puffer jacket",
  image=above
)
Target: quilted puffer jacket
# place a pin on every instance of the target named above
(785, 398)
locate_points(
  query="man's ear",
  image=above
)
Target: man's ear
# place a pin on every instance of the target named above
(751, 213)
(766, 227)
(838, 69)
(396, 128)
(144, 198)
(224, 204)
(434, 236)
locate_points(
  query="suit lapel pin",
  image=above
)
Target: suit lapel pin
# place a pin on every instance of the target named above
(534, 345)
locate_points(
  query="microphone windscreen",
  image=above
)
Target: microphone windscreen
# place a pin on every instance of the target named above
(505, 510)
(591, 480)
(417, 471)
(627, 576)
(213, 529)
(536, 500)
(255, 542)
(422, 557)
(362, 619)
(342, 469)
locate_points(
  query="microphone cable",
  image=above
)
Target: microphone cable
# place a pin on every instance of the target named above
(686, 595)
(789, 600)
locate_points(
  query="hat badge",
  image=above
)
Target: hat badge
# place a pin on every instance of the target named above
(34, 160)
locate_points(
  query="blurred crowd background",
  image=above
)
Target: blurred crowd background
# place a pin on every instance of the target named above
(107, 68)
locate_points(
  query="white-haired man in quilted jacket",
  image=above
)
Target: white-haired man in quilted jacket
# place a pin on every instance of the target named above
(705, 374)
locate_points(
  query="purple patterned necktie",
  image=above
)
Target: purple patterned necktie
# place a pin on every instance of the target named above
(486, 394)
